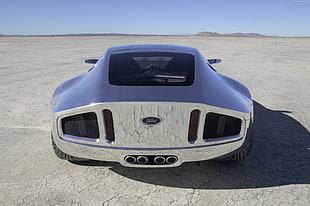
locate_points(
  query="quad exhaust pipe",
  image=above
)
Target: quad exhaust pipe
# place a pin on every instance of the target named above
(159, 160)
(131, 159)
(142, 160)
(151, 160)
(171, 159)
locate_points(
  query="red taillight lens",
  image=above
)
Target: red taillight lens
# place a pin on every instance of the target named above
(108, 124)
(193, 126)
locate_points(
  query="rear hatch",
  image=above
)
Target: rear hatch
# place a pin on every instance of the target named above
(150, 125)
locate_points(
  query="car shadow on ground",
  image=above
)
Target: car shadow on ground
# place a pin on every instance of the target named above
(280, 156)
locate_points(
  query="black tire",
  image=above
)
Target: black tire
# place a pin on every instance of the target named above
(61, 155)
(243, 151)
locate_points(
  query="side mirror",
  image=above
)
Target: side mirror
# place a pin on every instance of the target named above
(91, 61)
(214, 61)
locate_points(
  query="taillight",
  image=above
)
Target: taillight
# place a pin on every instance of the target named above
(193, 126)
(108, 124)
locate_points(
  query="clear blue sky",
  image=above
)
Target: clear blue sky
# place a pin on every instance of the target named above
(269, 17)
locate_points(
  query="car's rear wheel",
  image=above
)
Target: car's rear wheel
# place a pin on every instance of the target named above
(60, 154)
(243, 151)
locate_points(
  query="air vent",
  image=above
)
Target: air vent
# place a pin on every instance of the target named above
(109, 126)
(193, 126)
(81, 125)
(218, 125)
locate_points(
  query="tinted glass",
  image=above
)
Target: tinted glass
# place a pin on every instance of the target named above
(151, 69)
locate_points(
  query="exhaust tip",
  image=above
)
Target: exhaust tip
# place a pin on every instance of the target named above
(159, 160)
(142, 160)
(130, 159)
(171, 159)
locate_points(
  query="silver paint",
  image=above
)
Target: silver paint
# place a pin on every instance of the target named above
(91, 92)
(134, 138)
(209, 87)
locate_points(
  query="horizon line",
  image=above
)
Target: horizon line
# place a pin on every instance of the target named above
(212, 34)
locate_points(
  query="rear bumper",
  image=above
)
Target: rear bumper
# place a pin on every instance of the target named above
(169, 138)
(115, 154)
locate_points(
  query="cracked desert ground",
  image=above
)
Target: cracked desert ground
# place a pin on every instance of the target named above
(277, 171)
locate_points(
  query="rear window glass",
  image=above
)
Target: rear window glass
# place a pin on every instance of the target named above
(151, 69)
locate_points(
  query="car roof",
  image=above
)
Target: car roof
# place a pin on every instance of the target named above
(152, 47)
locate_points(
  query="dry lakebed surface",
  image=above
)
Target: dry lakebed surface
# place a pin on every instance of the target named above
(277, 171)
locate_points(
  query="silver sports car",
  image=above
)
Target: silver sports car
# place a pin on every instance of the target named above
(152, 106)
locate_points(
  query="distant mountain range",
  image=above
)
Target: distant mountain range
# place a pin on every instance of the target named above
(214, 34)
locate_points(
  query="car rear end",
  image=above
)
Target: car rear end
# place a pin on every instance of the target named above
(157, 107)
(149, 134)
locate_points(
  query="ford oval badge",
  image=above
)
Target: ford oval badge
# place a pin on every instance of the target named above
(151, 120)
